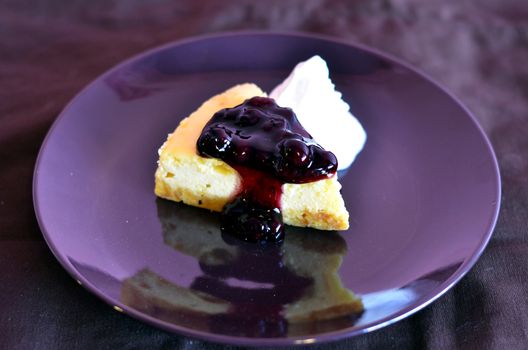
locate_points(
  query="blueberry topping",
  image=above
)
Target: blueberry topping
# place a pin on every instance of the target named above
(252, 223)
(268, 147)
(261, 135)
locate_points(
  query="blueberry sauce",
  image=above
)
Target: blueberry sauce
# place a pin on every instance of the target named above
(255, 215)
(268, 146)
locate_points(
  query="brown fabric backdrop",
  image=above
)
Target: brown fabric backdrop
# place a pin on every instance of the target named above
(50, 49)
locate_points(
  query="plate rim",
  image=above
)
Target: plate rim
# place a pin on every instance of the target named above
(325, 337)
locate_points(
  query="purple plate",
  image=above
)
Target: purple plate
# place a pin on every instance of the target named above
(423, 197)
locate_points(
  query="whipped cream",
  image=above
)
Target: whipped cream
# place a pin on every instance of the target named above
(320, 109)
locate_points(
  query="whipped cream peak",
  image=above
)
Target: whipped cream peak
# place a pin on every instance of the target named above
(321, 110)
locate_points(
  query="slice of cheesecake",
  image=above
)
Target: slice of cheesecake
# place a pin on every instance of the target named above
(210, 183)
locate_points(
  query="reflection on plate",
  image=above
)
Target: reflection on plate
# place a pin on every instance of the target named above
(273, 290)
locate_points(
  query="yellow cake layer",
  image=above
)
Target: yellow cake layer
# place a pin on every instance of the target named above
(210, 183)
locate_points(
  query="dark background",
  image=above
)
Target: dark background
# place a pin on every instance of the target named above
(50, 49)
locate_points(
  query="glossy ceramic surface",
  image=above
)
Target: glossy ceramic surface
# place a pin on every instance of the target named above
(423, 195)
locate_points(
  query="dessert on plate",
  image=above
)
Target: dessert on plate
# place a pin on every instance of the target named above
(243, 154)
